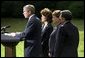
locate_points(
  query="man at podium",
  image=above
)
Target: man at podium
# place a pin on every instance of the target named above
(31, 35)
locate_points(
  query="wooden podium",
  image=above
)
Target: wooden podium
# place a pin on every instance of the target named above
(9, 43)
(10, 51)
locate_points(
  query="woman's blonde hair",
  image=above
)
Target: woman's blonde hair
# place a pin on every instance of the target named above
(56, 13)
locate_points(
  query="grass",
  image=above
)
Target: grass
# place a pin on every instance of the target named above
(80, 24)
(18, 25)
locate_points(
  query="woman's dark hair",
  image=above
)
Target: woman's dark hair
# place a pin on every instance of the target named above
(47, 13)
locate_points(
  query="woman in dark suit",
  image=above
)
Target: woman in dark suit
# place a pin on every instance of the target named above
(65, 38)
(47, 28)
(52, 38)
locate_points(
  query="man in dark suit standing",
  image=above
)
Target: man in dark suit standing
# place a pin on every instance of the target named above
(32, 33)
(66, 37)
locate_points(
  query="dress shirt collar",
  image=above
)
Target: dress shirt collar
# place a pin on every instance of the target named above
(31, 16)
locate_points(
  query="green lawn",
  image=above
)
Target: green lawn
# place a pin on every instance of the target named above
(18, 25)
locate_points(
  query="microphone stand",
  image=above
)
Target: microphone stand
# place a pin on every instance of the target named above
(3, 31)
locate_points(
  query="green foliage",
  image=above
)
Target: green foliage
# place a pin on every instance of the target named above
(12, 9)
(63, 5)
(77, 9)
(15, 8)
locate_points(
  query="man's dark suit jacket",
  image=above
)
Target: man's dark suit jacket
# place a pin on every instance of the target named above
(45, 38)
(31, 36)
(64, 41)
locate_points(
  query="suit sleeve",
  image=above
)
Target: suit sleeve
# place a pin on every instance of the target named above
(59, 42)
(28, 30)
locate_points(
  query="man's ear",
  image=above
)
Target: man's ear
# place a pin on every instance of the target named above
(63, 19)
(29, 12)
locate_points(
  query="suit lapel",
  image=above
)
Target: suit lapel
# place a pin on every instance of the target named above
(29, 20)
(43, 30)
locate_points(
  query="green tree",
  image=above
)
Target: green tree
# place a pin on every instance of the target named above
(77, 9)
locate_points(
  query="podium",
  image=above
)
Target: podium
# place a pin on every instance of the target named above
(10, 43)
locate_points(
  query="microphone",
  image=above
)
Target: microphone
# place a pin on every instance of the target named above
(2, 28)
